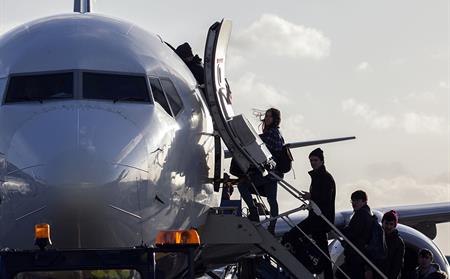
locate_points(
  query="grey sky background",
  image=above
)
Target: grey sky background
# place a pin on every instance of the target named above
(378, 70)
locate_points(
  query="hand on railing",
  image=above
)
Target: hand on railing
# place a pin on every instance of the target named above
(305, 195)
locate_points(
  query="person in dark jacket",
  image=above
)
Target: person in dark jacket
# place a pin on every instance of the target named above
(194, 63)
(322, 192)
(438, 275)
(392, 265)
(358, 231)
(267, 185)
(426, 265)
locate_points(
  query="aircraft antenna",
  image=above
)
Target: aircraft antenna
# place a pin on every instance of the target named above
(82, 6)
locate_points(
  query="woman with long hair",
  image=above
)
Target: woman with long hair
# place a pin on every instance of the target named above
(267, 185)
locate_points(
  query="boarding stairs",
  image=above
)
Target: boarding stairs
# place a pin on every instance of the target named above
(227, 232)
(225, 235)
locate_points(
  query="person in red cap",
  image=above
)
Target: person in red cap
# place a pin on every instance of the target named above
(392, 266)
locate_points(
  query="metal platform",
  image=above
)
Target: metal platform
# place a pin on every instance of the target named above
(225, 235)
(140, 260)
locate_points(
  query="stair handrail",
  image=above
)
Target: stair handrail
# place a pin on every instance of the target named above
(313, 206)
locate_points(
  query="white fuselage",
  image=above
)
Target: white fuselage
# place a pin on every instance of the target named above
(101, 173)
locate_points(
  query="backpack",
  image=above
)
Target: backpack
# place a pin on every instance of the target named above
(376, 248)
(284, 159)
(235, 169)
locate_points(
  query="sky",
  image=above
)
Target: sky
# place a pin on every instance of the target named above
(377, 70)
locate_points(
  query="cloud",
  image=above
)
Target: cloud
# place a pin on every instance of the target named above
(410, 122)
(363, 67)
(371, 116)
(293, 128)
(386, 170)
(235, 60)
(400, 190)
(421, 97)
(251, 91)
(277, 36)
(443, 84)
(417, 123)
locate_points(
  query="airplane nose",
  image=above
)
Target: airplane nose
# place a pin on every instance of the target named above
(76, 148)
(80, 170)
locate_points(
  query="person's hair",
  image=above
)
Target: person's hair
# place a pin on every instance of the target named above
(425, 253)
(184, 51)
(390, 216)
(317, 153)
(276, 119)
(359, 195)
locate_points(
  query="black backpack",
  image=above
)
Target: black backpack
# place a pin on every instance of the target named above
(376, 248)
(284, 160)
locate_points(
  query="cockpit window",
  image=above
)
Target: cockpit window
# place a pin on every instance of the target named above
(158, 94)
(29, 88)
(172, 96)
(2, 87)
(115, 87)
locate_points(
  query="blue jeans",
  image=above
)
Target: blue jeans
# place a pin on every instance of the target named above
(266, 186)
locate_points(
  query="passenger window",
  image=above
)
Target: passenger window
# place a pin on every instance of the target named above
(159, 95)
(39, 87)
(172, 96)
(115, 87)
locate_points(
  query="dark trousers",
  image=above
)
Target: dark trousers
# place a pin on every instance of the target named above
(321, 239)
(353, 266)
(266, 186)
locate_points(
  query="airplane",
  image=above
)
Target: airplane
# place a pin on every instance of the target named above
(106, 136)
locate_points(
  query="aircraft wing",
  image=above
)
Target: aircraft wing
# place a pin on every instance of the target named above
(422, 215)
(298, 144)
(315, 142)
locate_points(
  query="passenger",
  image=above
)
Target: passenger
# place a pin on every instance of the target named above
(323, 192)
(194, 63)
(392, 266)
(438, 275)
(426, 266)
(358, 231)
(227, 191)
(268, 185)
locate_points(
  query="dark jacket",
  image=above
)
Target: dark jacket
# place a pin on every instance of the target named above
(197, 70)
(433, 268)
(358, 231)
(323, 193)
(392, 266)
(274, 142)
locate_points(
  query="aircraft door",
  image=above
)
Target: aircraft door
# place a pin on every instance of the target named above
(238, 135)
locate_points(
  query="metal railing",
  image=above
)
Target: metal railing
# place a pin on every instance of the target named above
(311, 205)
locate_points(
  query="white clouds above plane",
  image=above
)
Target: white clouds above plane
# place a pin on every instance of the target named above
(370, 115)
(418, 123)
(363, 67)
(257, 93)
(277, 36)
(409, 122)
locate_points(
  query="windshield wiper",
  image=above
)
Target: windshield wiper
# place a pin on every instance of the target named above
(116, 99)
(62, 95)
